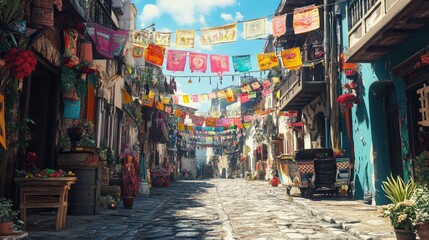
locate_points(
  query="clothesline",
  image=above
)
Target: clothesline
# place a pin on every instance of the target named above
(268, 16)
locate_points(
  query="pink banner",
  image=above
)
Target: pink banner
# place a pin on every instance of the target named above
(244, 97)
(265, 92)
(197, 62)
(176, 60)
(267, 84)
(104, 37)
(195, 98)
(219, 64)
(248, 118)
(175, 99)
(279, 25)
(219, 122)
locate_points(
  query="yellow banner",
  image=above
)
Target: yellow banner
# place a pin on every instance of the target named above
(267, 61)
(181, 126)
(292, 58)
(147, 101)
(162, 38)
(151, 94)
(215, 35)
(186, 99)
(185, 39)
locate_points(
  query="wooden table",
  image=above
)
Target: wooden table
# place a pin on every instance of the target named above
(49, 192)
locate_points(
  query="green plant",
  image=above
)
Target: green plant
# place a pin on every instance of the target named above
(421, 198)
(421, 167)
(7, 214)
(397, 190)
(402, 215)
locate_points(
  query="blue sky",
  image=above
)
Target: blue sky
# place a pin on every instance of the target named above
(172, 15)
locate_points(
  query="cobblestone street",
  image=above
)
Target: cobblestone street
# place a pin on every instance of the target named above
(211, 209)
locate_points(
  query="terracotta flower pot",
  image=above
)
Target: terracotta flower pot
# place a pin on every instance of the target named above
(128, 202)
(404, 234)
(6, 228)
(423, 230)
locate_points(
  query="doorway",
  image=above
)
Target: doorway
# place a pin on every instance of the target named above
(42, 105)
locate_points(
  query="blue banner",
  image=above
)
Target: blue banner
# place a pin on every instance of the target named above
(242, 63)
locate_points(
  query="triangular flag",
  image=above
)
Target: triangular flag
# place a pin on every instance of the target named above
(127, 97)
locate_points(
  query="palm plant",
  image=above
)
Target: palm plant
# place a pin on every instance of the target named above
(397, 190)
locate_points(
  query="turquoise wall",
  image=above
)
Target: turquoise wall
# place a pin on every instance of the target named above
(369, 119)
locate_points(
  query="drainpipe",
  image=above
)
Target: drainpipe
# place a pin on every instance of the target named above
(327, 93)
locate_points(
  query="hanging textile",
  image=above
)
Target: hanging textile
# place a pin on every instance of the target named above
(177, 112)
(248, 118)
(195, 98)
(185, 39)
(181, 126)
(221, 95)
(2, 122)
(159, 106)
(291, 58)
(147, 101)
(173, 85)
(215, 35)
(267, 84)
(219, 64)
(203, 97)
(71, 109)
(266, 92)
(210, 122)
(104, 36)
(255, 85)
(242, 63)
(138, 55)
(175, 99)
(306, 19)
(186, 99)
(197, 62)
(267, 61)
(252, 95)
(127, 97)
(244, 97)
(141, 38)
(246, 88)
(279, 25)
(162, 38)
(176, 60)
(255, 29)
(155, 54)
(118, 41)
(212, 95)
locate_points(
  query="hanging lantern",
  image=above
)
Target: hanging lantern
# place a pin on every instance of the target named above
(85, 51)
(42, 14)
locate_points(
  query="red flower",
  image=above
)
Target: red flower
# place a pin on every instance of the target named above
(347, 100)
(20, 62)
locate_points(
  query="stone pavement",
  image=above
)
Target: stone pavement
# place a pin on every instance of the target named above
(222, 209)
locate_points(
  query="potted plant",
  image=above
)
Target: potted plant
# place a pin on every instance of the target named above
(8, 217)
(421, 198)
(401, 211)
(421, 168)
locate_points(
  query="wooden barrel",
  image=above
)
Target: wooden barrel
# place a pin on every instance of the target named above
(84, 195)
(41, 14)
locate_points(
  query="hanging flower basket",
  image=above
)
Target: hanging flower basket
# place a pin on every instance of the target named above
(347, 100)
(20, 62)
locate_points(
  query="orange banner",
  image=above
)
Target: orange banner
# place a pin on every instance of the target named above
(267, 61)
(155, 54)
(306, 19)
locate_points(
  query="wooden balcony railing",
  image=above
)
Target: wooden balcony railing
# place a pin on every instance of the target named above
(301, 87)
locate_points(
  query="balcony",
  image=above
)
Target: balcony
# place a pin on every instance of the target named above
(97, 11)
(376, 27)
(301, 87)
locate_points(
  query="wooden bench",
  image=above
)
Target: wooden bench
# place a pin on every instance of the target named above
(45, 193)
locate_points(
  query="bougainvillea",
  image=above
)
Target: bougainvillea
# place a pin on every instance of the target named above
(347, 100)
(20, 62)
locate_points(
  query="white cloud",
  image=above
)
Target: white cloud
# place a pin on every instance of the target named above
(227, 17)
(238, 16)
(150, 12)
(183, 12)
(203, 20)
